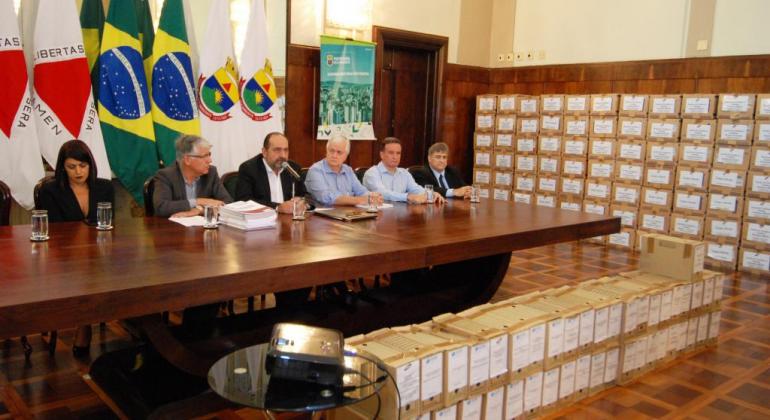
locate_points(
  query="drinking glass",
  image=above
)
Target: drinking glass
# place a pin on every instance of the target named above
(372, 208)
(104, 215)
(475, 193)
(39, 225)
(210, 217)
(298, 209)
(429, 193)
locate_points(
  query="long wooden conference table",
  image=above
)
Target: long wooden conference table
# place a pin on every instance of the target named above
(150, 265)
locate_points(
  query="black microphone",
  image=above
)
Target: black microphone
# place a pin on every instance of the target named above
(290, 170)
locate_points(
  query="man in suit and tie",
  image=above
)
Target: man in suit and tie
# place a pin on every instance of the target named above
(182, 189)
(264, 179)
(445, 179)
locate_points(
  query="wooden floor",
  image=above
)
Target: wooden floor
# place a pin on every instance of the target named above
(729, 381)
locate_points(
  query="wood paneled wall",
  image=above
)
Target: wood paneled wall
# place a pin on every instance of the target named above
(462, 83)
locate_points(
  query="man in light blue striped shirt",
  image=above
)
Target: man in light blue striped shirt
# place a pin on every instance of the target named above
(394, 183)
(333, 183)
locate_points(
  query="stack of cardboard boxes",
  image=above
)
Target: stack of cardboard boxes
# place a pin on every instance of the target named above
(533, 354)
(692, 166)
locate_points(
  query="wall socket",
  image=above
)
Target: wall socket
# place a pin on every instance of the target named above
(500, 57)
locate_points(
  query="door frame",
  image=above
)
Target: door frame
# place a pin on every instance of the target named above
(433, 44)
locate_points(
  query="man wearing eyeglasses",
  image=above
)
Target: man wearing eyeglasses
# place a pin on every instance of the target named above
(182, 189)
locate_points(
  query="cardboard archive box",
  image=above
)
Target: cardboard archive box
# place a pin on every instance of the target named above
(520, 197)
(601, 169)
(525, 163)
(736, 106)
(482, 158)
(523, 182)
(690, 202)
(526, 145)
(573, 166)
(629, 172)
(628, 215)
(633, 105)
(601, 148)
(482, 176)
(547, 200)
(485, 122)
(728, 156)
(573, 186)
(757, 209)
(575, 146)
(756, 235)
(657, 198)
(570, 202)
(722, 230)
(631, 150)
(762, 110)
(547, 184)
(576, 125)
(760, 159)
(659, 176)
(659, 129)
(662, 152)
(654, 220)
(506, 104)
(722, 254)
(551, 104)
(483, 140)
(501, 193)
(549, 144)
(754, 261)
(551, 124)
(502, 178)
(739, 132)
(549, 164)
(505, 123)
(692, 178)
(685, 225)
(758, 184)
(701, 131)
(632, 128)
(504, 160)
(624, 239)
(577, 104)
(598, 190)
(626, 194)
(504, 142)
(664, 106)
(528, 105)
(604, 104)
(679, 259)
(486, 104)
(727, 181)
(724, 204)
(527, 125)
(696, 154)
(602, 126)
(698, 106)
(762, 133)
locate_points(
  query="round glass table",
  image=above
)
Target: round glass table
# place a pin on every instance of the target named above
(243, 377)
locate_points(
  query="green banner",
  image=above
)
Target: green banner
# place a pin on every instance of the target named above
(347, 89)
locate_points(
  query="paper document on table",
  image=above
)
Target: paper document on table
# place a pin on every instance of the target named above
(380, 207)
(189, 221)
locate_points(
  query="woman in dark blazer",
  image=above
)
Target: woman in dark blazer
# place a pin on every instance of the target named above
(71, 196)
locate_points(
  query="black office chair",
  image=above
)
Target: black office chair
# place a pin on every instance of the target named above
(147, 191)
(53, 336)
(303, 174)
(230, 181)
(360, 171)
(416, 169)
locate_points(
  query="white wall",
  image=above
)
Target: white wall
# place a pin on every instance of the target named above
(437, 17)
(570, 31)
(741, 27)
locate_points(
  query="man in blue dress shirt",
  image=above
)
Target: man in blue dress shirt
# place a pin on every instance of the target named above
(333, 183)
(394, 183)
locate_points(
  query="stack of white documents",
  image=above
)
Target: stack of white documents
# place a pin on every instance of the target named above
(247, 215)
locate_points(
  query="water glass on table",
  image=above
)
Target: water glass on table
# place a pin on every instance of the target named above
(210, 217)
(39, 226)
(429, 193)
(372, 203)
(104, 215)
(298, 209)
(475, 193)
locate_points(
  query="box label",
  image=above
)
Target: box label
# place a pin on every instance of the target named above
(567, 380)
(659, 176)
(551, 122)
(485, 121)
(574, 167)
(688, 201)
(626, 195)
(620, 239)
(483, 158)
(498, 356)
(662, 153)
(626, 217)
(662, 130)
(756, 260)
(507, 103)
(481, 177)
(764, 106)
(653, 222)
(691, 179)
(602, 148)
(692, 153)
(633, 103)
(726, 228)
(572, 147)
(528, 105)
(735, 103)
(587, 327)
(505, 140)
(525, 163)
(484, 140)
(536, 343)
(696, 131)
(525, 145)
(449, 413)
(630, 172)
(696, 105)
(479, 363)
(723, 202)
(524, 183)
(716, 318)
(549, 165)
(549, 144)
(576, 127)
(555, 337)
(654, 316)
(764, 131)
(503, 178)
(576, 104)
(663, 105)
(762, 159)
(504, 161)
(630, 151)
(582, 372)
(522, 198)
(514, 399)
(758, 233)
(603, 125)
(594, 208)
(547, 184)
(484, 193)
(551, 103)
(730, 156)
(487, 104)
(408, 379)
(573, 186)
(598, 190)
(737, 132)
(720, 252)
(631, 128)
(601, 103)
(600, 324)
(759, 208)
(506, 123)
(520, 352)
(533, 391)
(687, 226)
(761, 184)
(528, 126)
(601, 170)
(432, 376)
(499, 194)
(656, 197)
(494, 405)
(611, 368)
(471, 408)
(597, 369)
(726, 179)
(565, 205)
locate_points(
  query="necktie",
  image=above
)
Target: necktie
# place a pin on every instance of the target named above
(441, 181)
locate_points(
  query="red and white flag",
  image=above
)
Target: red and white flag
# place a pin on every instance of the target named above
(20, 163)
(64, 104)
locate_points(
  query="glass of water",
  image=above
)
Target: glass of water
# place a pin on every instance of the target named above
(104, 215)
(298, 209)
(475, 193)
(372, 208)
(429, 193)
(211, 217)
(39, 225)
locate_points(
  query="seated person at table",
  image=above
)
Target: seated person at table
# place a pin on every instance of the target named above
(182, 189)
(333, 183)
(446, 180)
(71, 196)
(394, 183)
(264, 180)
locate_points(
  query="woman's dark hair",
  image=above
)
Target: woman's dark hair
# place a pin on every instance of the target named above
(78, 150)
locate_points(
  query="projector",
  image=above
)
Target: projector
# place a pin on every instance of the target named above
(306, 354)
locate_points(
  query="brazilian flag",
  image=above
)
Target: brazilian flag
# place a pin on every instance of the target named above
(92, 24)
(174, 110)
(124, 100)
(146, 33)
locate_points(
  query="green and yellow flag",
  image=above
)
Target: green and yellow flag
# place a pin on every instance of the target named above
(146, 33)
(92, 24)
(174, 110)
(124, 100)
